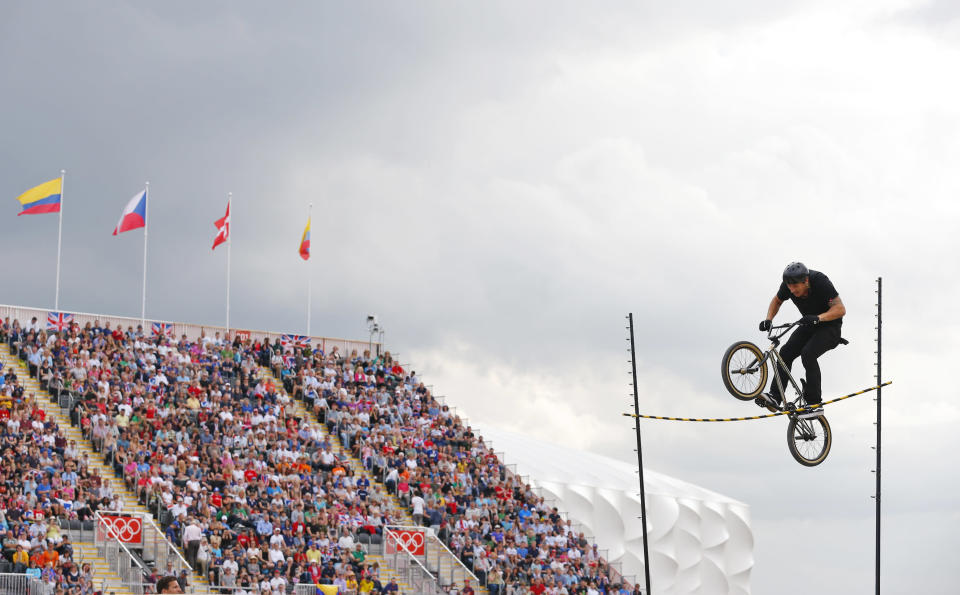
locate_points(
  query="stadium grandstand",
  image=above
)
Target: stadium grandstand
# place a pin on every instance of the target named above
(250, 463)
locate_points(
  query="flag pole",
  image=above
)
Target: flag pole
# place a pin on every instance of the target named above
(56, 298)
(309, 276)
(229, 243)
(146, 224)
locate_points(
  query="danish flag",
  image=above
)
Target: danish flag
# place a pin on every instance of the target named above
(223, 228)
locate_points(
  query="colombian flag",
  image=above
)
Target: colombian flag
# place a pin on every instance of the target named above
(44, 198)
(305, 243)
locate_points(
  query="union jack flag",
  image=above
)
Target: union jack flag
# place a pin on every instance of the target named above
(163, 328)
(295, 340)
(59, 321)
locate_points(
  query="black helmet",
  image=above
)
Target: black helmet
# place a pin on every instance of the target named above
(795, 272)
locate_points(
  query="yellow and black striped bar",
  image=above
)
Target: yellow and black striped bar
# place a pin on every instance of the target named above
(801, 410)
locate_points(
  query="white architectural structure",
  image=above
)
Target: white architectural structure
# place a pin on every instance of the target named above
(700, 541)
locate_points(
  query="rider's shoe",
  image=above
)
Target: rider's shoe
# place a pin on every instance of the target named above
(770, 401)
(811, 410)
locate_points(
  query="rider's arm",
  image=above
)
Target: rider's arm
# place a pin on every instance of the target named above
(775, 304)
(837, 310)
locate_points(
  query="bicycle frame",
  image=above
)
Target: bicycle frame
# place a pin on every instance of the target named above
(773, 354)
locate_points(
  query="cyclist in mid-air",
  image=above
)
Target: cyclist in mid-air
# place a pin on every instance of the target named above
(819, 331)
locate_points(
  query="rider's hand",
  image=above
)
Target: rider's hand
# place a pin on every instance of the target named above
(765, 325)
(810, 320)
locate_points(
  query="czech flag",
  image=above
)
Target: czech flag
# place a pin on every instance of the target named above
(44, 198)
(134, 214)
(305, 243)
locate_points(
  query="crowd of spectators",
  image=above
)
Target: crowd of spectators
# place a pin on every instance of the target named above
(447, 476)
(44, 479)
(261, 500)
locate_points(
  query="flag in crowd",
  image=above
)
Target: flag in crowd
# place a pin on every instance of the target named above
(134, 214)
(164, 329)
(305, 242)
(295, 340)
(44, 198)
(59, 321)
(223, 228)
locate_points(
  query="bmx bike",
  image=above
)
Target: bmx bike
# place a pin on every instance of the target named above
(744, 371)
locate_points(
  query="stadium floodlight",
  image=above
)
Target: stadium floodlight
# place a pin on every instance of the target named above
(374, 328)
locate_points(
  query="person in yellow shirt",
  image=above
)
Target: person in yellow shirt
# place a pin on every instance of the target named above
(352, 585)
(20, 557)
(366, 585)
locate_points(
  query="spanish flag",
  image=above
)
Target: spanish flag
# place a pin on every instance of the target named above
(305, 242)
(44, 198)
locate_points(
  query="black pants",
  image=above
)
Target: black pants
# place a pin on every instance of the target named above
(808, 342)
(193, 548)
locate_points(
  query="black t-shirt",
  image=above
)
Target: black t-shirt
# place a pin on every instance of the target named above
(817, 301)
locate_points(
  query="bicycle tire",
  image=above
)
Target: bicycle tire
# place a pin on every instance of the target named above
(741, 355)
(809, 440)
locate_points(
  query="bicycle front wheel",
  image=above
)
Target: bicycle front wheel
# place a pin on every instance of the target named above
(744, 375)
(809, 440)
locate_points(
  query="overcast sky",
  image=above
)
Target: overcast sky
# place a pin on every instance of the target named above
(503, 182)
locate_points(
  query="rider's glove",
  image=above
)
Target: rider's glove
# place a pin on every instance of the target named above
(765, 325)
(810, 320)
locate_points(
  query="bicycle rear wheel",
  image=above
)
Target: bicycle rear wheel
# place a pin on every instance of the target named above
(743, 374)
(809, 440)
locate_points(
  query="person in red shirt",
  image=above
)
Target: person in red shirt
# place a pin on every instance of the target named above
(537, 587)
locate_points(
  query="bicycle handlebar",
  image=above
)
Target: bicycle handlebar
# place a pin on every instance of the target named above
(786, 328)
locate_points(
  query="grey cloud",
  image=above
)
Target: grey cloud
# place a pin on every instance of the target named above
(502, 185)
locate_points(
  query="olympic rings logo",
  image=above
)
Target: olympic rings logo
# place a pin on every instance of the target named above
(125, 528)
(412, 542)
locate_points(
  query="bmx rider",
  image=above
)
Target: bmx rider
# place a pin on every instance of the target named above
(817, 299)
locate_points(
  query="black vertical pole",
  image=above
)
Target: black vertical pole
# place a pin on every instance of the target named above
(879, 389)
(636, 421)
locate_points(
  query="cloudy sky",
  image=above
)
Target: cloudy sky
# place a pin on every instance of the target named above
(503, 182)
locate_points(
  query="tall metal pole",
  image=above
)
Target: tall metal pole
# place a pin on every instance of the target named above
(309, 277)
(146, 226)
(879, 409)
(636, 421)
(229, 223)
(56, 298)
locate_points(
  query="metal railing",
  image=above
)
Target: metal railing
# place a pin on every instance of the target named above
(120, 559)
(193, 331)
(407, 565)
(158, 550)
(437, 559)
(21, 584)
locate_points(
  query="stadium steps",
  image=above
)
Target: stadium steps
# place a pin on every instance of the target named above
(104, 579)
(53, 410)
(447, 562)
